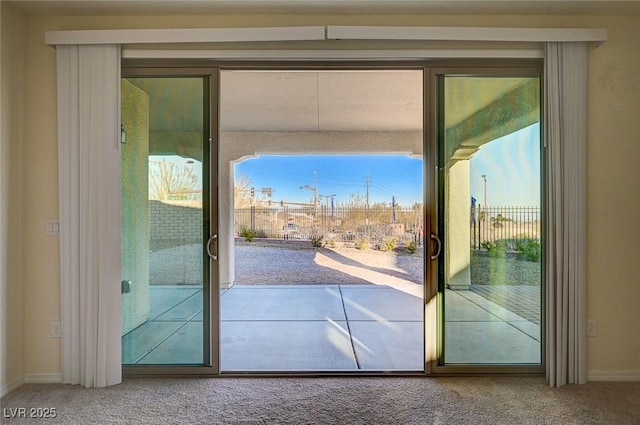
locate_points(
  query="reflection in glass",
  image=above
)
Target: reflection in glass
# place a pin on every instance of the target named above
(491, 269)
(163, 270)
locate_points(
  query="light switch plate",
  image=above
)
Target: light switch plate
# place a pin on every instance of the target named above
(56, 329)
(53, 227)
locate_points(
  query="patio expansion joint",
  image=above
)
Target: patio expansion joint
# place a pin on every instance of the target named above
(154, 319)
(508, 322)
(152, 349)
(346, 317)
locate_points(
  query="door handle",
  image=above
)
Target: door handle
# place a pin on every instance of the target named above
(438, 246)
(213, 240)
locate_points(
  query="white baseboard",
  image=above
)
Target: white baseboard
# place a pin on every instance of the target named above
(614, 376)
(10, 386)
(31, 378)
(42, 378)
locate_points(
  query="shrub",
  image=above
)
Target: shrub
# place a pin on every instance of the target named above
(411, 247)
(529, 249)
(331, 243)
(388, 244)
(361, 243)
(316, 241)
(248, 234)
(496, 249)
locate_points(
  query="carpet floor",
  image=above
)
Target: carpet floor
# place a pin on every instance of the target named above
(330, 400)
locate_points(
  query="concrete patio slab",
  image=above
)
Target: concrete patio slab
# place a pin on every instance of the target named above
(394, 346)
(291, 302)
(522, 300)
(493, 308)
(459, 309)
(184, 310)
(183, 347)
(299, 327)
(286, 346)
(163, 298)
(489, 343)
(530, 328)
(381, 304)
(145, 338)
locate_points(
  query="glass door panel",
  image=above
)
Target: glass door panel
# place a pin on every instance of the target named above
(165, 273)
(490, 220)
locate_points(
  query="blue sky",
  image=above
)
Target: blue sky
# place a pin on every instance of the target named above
(342, 175)
(512, 166)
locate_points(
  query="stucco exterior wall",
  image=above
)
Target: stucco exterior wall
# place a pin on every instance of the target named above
(135, 205)
(614, 84)
(458, 254)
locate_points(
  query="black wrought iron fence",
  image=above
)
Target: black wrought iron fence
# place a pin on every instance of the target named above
(514, 224)
(487, 224)
(337, 223)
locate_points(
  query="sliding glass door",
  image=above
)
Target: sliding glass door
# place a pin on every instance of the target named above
(489, 220)
(165, 221)
(448, 280)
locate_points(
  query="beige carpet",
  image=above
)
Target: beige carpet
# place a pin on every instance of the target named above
(358, 400)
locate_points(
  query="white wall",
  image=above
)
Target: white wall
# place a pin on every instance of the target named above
(12, 66)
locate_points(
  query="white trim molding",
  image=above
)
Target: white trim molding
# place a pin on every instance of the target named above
(31, 378)
(397, 54)
(13, 385)
(614, 376)
(43, 378)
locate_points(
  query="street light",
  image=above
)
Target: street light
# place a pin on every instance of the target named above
(315, 195)
(327, 197)
(484, 177)
(314, 189)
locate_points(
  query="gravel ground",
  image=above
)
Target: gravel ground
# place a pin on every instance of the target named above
(268, 262)
(503, 271)
(295, 263)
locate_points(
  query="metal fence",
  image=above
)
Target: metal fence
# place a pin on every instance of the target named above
(346, 224)
(514, 224)
(374, 224)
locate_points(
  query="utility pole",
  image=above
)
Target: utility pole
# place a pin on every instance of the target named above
(367, 208)
(315, 190)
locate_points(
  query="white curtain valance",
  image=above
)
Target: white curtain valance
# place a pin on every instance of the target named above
(329, 32)
(89, 191)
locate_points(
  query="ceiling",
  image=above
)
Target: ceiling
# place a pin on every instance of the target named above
(314, 101)
(187, 7)
(321, 101)
(333, 101)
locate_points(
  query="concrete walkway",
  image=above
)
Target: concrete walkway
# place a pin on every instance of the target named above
(336, 327)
